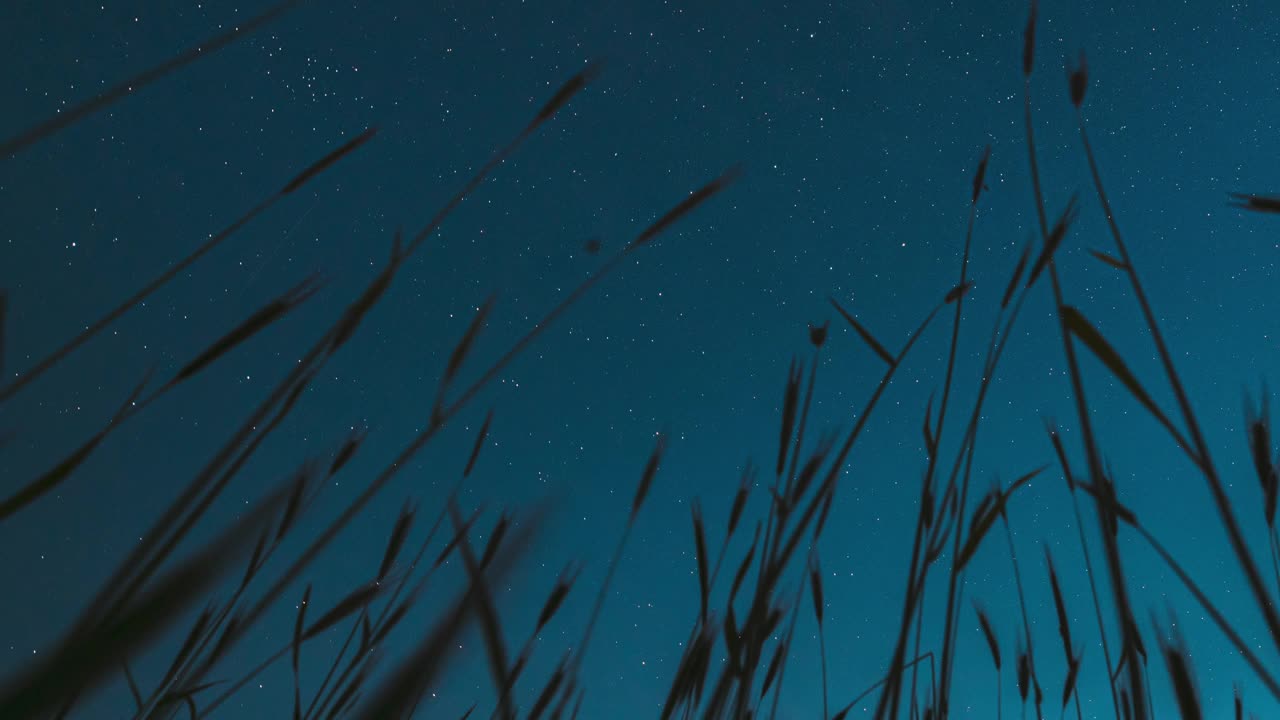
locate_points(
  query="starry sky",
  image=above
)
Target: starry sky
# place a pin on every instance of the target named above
(858, 126)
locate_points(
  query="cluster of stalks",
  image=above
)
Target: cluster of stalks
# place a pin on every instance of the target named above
(739, 646)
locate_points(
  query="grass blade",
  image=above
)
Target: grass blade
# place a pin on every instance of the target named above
(84, 660)
(475, 449)
(255, 323)
(58, 474)
(1256, 203)
(1111, 260)
(700, 551)
(989, 633)
(1079, 326)
(72, 115)
(866, 336)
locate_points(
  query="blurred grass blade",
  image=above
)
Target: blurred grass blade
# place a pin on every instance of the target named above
(356, 311)
(684, 207)
(1078, 81)
(296, 647)
(1079, 326)
(815, 583)
(457, 538)
(980, 176)
(252, 325)
(418, 672)
(463, 347)
(70, 116)
(4, 316)
(957, 292)
(56, 475)
(571, 88)
(398, 535)
(480, 438)
(986, 516)
(495, 540)
(1109, 259)
(1017, 275)
(646, 478)
(1178, 661)
(1029, 42)
(298, 625)
(790, 399)
(85, 659)
(772, 670)
(1054, 240)
(700, 550)
(1256, 203)
(355, 600)
(53, 358)
(1069, 684)
(348, 450)
(561, 590)
(1064, 627)
(325, 162)
(866, 336)
(989, 633)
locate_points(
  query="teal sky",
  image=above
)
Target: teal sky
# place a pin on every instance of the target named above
(858, 126)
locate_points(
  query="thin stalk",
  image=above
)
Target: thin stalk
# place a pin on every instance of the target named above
(1128, 626)
(1275, 561)
(879, 683)
(337, 660)
(771, 571)
(449, 411)
(791, 631)
(600, 596)
(999, 700)
(227, 694)
(179, 675)
(315, 358)
(1022, 604)
(964, 460)
(920, 631)
(804, 417)
(391, 602)
(78, 112)
(1218, 618)
(245, 680)
(53, 358)
(495, 645)
(1093, 585)
(900, 647)
(795, 451)
(822, 651)
(1223, 503)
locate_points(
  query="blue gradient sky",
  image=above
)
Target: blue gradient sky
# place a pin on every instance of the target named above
(859, 126)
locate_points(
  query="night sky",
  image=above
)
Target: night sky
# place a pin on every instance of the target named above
(858, 127)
